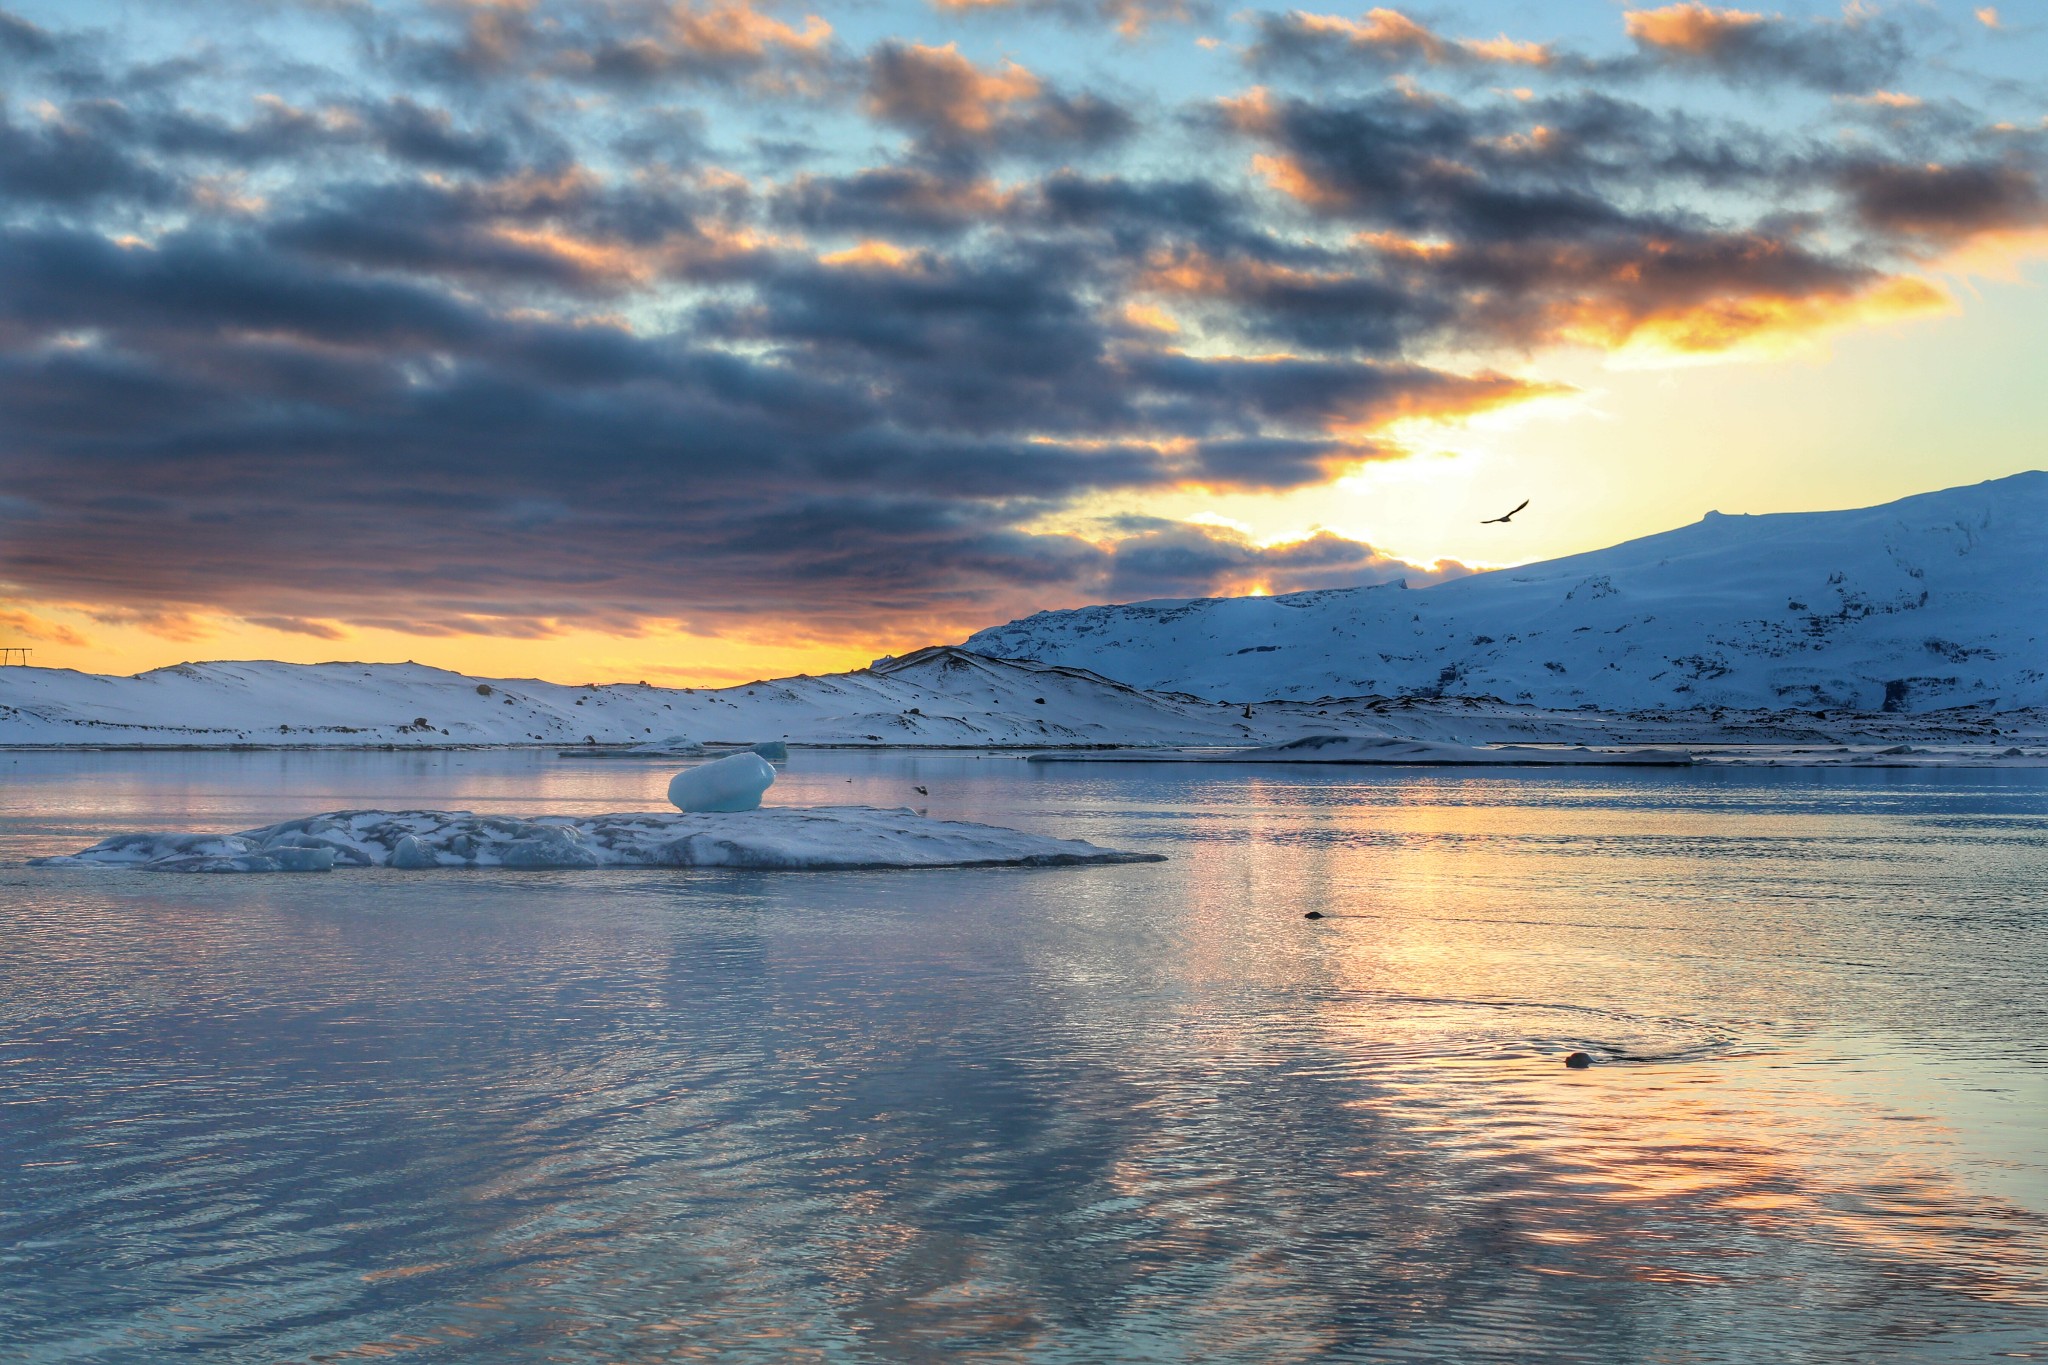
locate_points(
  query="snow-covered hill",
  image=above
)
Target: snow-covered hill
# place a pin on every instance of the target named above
(1933, 601)
(940, 696)
(936, 697)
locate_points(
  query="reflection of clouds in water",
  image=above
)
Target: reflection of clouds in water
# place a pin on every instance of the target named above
(1146, 1113)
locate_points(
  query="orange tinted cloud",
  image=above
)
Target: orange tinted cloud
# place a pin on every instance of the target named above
(611, 261)
(1452, 398)
(1742, 322)
(1291, 178)
(936, 89)
(734, 29)
(1691, 27)
(1195, 273)
(1394, 33)
(870, 255)
(20, 624)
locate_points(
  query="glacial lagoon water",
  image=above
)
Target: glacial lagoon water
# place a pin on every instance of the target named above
(1142, 1112)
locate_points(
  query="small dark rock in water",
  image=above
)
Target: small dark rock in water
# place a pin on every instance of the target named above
(1313, 914)
(1578, 1061)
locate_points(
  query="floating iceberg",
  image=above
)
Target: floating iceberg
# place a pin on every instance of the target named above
(1374, 749)
(729, 784)
(821, 837)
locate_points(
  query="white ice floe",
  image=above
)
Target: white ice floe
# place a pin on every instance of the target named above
(729, 784)
(675, 746)
(1869, 756)
(1405, 752)
(818, 837)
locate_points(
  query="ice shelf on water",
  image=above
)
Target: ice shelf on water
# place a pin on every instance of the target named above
(793, 838)
(675, 746)
(1407, 752)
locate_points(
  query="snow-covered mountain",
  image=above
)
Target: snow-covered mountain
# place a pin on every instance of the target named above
(1933, 601)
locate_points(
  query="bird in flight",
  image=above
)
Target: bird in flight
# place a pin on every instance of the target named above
(1496, 521)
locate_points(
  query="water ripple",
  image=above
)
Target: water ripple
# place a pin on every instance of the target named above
(1137, 1113)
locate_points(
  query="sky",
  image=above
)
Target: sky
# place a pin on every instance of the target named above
(696, 341)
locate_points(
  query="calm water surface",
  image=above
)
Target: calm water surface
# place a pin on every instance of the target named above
(1121, 1113)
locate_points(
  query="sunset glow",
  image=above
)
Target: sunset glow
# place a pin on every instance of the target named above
(706, 341)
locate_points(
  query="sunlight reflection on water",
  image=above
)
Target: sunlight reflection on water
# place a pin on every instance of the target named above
(1124, 1113)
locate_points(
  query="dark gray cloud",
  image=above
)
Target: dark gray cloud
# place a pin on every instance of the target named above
(1943, 204)
(1579, 217)
(1857, 52)
(64, 163)
(21, 40)
(957, 112)
(1846, 55)
(532, 333)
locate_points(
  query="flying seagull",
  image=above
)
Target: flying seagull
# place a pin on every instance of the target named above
(1497, 521)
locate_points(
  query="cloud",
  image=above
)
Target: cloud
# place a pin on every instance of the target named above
(1330, 43)
(1177, 559)
(299, 625)
(1130, 18)
(166, 624)
(22, 40)
(719, 40)
(567, 229)
(1942, 205)
(20, 624)
(549, 316)
(1854, 53)
(625, 44)
(950, 105)
(1543, 221)
(917, 201)
(310, 443)
(64, 163)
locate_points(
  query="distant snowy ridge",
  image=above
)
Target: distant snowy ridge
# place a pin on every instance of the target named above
(1933, 601)
(935, 697)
